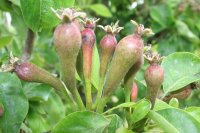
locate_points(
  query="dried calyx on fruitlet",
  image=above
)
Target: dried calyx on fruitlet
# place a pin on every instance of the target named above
(141, 30)
(151, 56)
(10, 66)
(68, 14)
(90, 22)
(112, 29)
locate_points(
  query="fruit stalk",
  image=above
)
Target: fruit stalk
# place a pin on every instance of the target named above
(107, 46)
(88, 41)
(127, 52)
(129, 78)
(67, 40)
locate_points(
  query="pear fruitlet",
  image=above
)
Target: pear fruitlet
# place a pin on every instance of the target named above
(88, 41)
(154, 77)
(107, 45)
(67, 40)
(31, 73)
(134, 92)
(127, 52)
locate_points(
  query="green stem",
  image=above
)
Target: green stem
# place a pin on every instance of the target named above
(152, 94)
(61, 90)
(102, 104)
(162, 122)
(78, 99)
(99, 93)
(88, 94)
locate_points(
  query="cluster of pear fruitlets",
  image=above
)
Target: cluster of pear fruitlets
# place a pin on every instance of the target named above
(118, 61)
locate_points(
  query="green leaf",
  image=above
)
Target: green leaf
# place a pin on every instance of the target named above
(141, 109)
(160, 105)
(184, 30)
(181, 120)
(181, 69)
(123, 105)
(37, 92)
(162, 122)
(194, 111)
(82, 122)
(162, 15)
(36, 122)
(141, 89)
(37, 13)
(5, 41)
(115, 123)
(5, 5)
(14, 101)
(124, 130)
(44, 115)
(95, 67)
(101, 10)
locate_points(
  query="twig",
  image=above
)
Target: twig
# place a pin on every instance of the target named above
(28, 45)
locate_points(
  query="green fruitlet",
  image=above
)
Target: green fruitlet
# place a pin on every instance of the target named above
(67, 40)
(154, 77)
(88, 41)
(107, 48)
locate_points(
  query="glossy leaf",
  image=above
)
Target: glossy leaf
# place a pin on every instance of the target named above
(123, 105)
(44, 115)
(14, 101)
(160, 105)
(184, 30)
(5, 41)
(194, 111)
(82, 122)
(181, 120)
(180, 69)
(115, 123)
(5, 5)
(124, 130)
(162, 122)
(37, 13)
(37, 92)
(141, 109)
(101, 10)
(162, 15)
